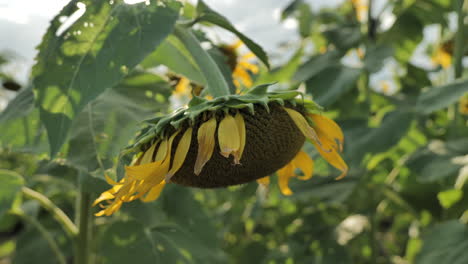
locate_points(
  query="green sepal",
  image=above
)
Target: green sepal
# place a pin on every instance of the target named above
(158, 127)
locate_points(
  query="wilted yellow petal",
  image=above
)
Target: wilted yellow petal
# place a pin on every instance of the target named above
(334, 158)
(302, 124)
(107, 195)
(206, 144)
(241, 127)
(162, 150)
(284, 174)
(181, 153)
(327, 127)
(110, 181)
(228, 136)
(154, 193)
(148, 156)
(305, 163)
(265, 181)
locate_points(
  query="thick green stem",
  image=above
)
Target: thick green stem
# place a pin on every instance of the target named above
(459, 40)
(43, 231)
(217, 85)
(82, 240)
(459, 51)
(56, 212)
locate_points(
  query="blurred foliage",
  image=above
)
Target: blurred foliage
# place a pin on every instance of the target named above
(404, 200)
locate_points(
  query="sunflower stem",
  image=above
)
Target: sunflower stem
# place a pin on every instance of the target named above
(217, 85)
(83, 216)
(53, 209)
(459, 49)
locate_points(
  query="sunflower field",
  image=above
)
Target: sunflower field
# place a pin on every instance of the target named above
(158, 131)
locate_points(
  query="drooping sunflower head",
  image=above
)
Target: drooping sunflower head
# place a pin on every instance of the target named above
(227, 141)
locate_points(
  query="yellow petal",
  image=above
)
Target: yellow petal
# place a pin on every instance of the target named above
(241, 127)
(236, 45)
(162, 150)
(284, 174)
(302, 124)
(265, 181)
(305, 163)
(228, 136)
(243, 75)
(206, 144)
(334, 158)
(154, 193)
(181, 153)
(148, 156)
(326, 126)
(249, 66)
(107, 195)
(182, 86)
(110, 181)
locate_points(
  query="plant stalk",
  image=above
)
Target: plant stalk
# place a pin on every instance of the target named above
(217, 85)
(459, 50)
(56, 212)
(82, 249)
(459, 40)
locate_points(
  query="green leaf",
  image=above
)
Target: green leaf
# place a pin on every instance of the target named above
(316, 64)
(20, 106)
(435, 162)
(305, 18)
(10, 184)
(445, 243)
(75, 66)
(111, 121)
(439, 97)
(124, 242)
(174, 55)
(206, 14)
(327, 86)
(376, 55)
(364, 140)
(343, 36)
(284, 73)
(291, 8)
(449, 197)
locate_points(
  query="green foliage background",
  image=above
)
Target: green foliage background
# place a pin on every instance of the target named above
(404, 200)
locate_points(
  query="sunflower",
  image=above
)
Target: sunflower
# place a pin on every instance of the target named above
(229, 140)
(240, 64)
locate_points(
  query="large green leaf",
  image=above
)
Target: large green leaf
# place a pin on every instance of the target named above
(363, 139)
(20, 106)
(445, 243)
(206, 14)
(75, 66)
(316, 64)
(439, 97)
(284, 73)
(126, 242)
(111, 121)
(174, 55)
(331, 83)
(435, 162)
(10, 184)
